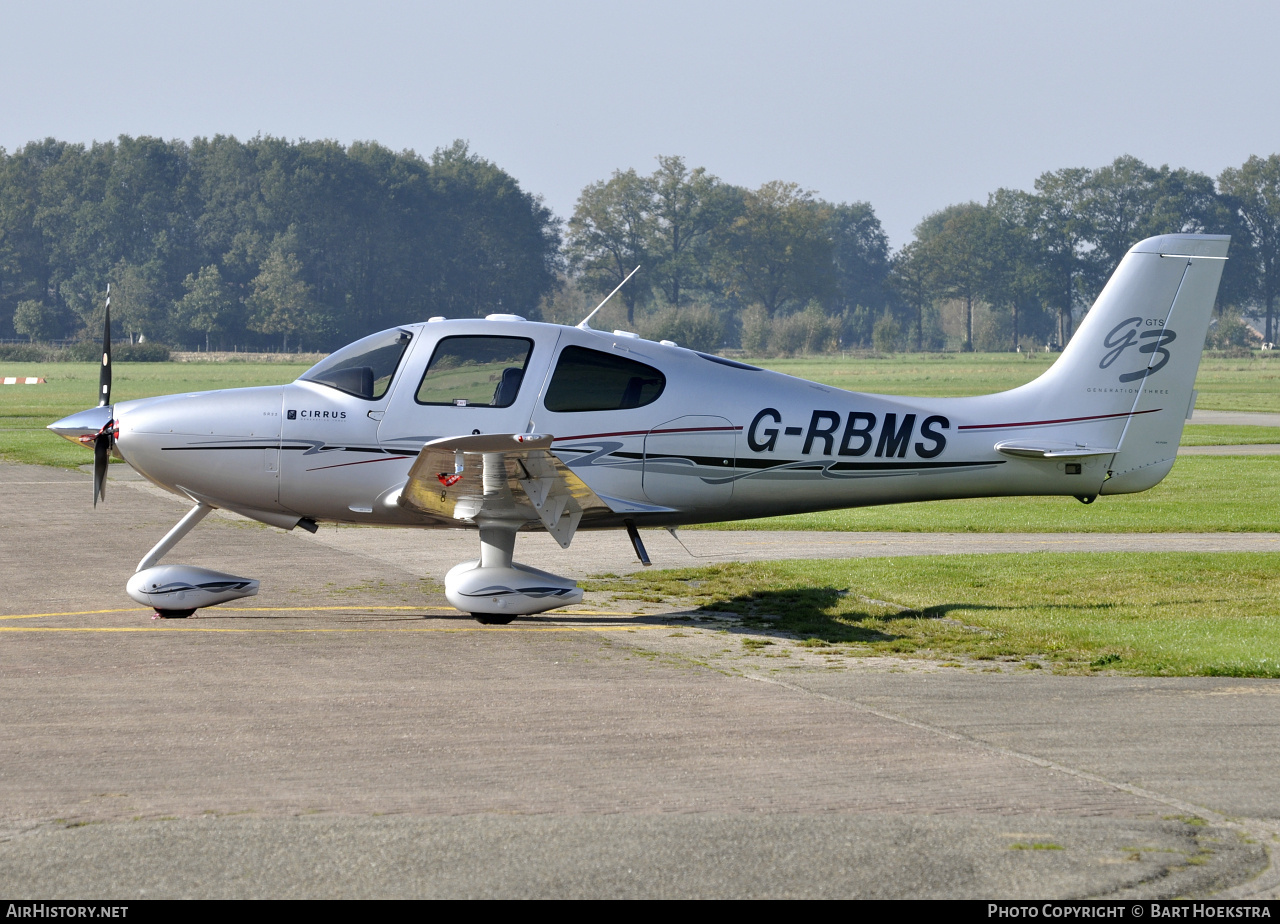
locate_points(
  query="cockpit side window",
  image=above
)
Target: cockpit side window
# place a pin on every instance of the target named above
(364, 368)
(475, 371)
(592, 380)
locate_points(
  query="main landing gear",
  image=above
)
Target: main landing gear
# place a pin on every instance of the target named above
(489, 619)
(495, 590)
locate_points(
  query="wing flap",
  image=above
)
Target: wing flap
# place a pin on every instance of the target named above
(512, 477)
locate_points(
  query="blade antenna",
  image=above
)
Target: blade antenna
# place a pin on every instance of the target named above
(583, 325)
(676, 537)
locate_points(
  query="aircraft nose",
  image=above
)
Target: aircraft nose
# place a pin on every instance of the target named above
(83, 426)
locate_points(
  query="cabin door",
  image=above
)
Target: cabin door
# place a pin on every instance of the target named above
(690, 462)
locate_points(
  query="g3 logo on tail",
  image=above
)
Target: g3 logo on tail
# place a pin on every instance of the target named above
(1125, 334)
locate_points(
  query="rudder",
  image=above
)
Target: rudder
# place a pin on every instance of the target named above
(1159, 359)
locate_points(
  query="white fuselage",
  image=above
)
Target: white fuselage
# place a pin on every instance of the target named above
(665, 436)
(720, 442)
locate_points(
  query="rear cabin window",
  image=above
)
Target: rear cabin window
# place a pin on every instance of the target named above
(475, 371)
(591, 380)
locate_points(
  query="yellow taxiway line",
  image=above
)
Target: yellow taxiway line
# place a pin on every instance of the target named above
(301, 609)
(196, 626)
(132, 609)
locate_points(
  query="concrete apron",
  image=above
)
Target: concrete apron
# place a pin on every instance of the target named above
(351, 736)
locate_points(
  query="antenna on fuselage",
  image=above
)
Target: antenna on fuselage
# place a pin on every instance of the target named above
(583, 325)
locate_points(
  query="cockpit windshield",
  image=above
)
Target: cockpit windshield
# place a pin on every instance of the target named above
(364, 368)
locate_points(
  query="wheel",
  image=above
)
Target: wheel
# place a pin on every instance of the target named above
(491, 619)
(174, 614)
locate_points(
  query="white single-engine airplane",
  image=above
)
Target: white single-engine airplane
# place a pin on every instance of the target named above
(505, 425)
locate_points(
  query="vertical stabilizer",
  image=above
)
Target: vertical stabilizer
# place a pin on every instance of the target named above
(1126, 379)
(1158, 357)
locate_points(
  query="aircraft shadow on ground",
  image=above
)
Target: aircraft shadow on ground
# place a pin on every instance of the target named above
(825, 614)
(465, 620)
(813, 612)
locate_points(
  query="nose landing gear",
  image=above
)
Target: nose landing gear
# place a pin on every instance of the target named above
(177, 591)
(171, 614)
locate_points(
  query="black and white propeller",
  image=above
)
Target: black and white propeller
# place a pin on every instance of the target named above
(104, 441)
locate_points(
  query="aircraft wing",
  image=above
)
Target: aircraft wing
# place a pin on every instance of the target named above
(513, 477)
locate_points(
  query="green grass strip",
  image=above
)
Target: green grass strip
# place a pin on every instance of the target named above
(1245, 384)
(1221, 435)
(1158, 613)
(1202, 494)
(25, 410)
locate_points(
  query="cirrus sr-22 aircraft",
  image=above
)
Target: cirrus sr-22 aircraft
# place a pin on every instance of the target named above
(505, 425)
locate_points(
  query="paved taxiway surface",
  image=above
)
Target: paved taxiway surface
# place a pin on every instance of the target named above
(347, 734)
(1235, 418)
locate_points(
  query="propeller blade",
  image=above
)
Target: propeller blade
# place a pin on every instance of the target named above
(102, 442)
(101, 453)
(104, 375)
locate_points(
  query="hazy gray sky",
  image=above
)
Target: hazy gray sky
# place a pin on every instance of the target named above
(910, 106)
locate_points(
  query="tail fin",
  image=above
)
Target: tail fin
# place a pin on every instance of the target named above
(1126, 380)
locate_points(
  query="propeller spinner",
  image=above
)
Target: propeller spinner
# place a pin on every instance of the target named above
(96, 425)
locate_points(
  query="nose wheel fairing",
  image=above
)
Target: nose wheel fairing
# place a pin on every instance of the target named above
(185, 588)
(180, 590)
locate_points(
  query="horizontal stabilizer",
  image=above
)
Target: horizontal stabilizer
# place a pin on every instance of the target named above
(1049, 449)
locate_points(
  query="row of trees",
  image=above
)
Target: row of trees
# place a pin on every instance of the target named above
(266, 241)
(782, 267)
(705, 243)
(1036, 260)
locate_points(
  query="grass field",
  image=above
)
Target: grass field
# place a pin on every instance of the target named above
(1224, 384)
(1214, 435)
(1146, 613)
(1141, 613)
(1252, 385)
(25, 410)
(1201, 494)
